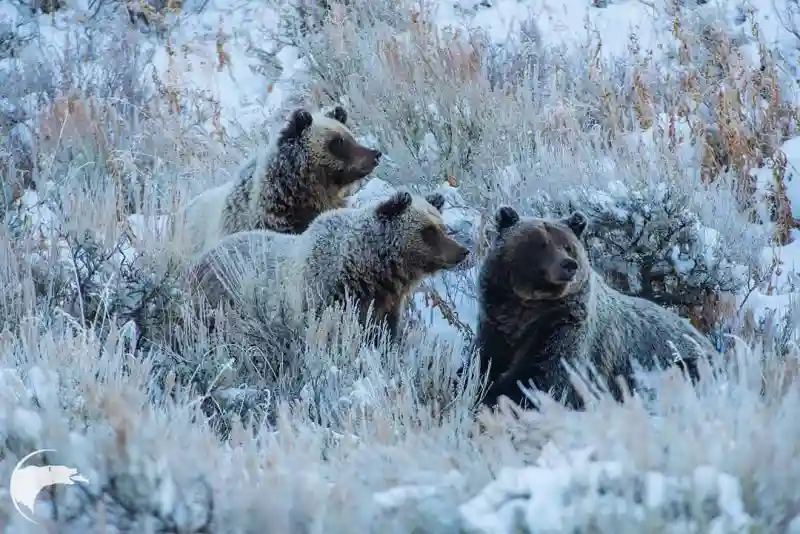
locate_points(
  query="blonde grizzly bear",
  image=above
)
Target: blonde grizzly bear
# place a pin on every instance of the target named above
(540, 302)
(313, 166)
(376, 254)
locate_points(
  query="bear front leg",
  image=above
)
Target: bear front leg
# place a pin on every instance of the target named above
(509, 384)
(539, 362)
(394, 323)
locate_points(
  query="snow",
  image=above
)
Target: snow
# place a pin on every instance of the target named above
(396, 497)
(245, 98)
(28, 423)
(577, 492)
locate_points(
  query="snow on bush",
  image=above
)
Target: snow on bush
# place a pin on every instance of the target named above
(602, 495)
(154, 462)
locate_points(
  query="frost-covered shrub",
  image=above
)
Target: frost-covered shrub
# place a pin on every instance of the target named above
(82, 103)
(92, 281)
(71, 253)
(440, 115)
(449, 102)
(301, 19)
(145, 16)
(154, 463)
(338, 370)
(621, 500)
(25, 79)
(102, 147)
(96, 103)
(89, 415)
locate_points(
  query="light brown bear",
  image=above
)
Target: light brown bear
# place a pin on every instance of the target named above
(312, 167)
(376, 254)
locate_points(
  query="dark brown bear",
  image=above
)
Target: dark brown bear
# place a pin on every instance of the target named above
(540, 301)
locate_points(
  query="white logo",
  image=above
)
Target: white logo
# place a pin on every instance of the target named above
(27, 482)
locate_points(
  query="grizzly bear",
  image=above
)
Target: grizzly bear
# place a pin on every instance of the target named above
(540, 302)
(376, 254)
(313, 166)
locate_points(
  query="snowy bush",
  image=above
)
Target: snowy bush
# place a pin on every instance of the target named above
(248, 362)
(153, 462)
(91, 278)
(22, 78)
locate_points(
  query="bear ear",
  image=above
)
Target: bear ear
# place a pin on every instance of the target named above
(338, 113)
(505, 217)
(394, 205)
(298, 123)
(436, 200)
(577, 222)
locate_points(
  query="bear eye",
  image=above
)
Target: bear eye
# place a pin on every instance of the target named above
(430, 234)
(336, 147)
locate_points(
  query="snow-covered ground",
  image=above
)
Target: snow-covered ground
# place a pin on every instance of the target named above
(219, 54)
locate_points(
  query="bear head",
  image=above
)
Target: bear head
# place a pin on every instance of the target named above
(412, 226)
(544, 259)
(329, 147)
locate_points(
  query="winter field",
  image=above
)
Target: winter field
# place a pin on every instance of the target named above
(674, 125)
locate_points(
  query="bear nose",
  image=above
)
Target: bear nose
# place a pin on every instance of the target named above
(377, 156)
(569, 266)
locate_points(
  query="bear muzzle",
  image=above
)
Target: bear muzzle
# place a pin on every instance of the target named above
(373, 159)
(455, 254)
(366, 160)
(567, 270)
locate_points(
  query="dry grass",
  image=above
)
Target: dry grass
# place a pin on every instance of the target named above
(735, 111)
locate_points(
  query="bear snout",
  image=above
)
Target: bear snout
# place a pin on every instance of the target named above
(366, 159)
(456, 254)
(462, 253)
(373, 158)
(568, 268)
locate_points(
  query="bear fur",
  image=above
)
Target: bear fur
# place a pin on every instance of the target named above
(541, 301)
(376, 254)
(313, 166)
